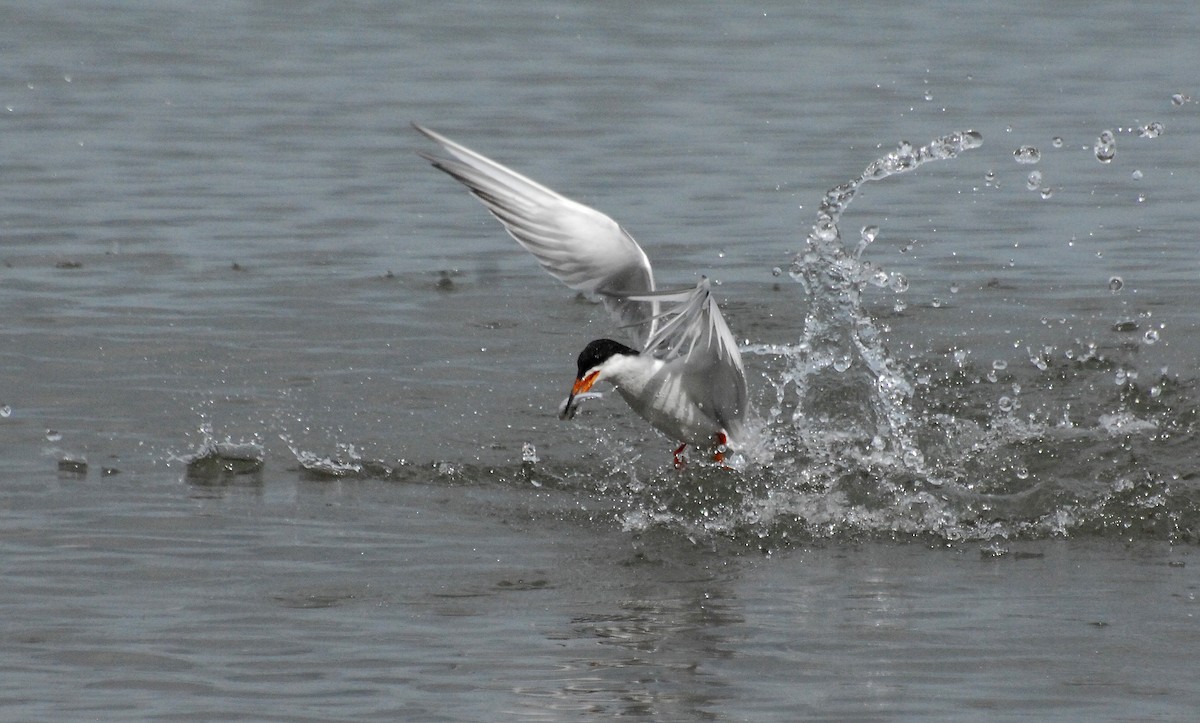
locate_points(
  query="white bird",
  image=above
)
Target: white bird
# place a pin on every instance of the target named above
(687, 379)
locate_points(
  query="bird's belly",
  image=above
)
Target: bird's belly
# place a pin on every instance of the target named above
(673, 412)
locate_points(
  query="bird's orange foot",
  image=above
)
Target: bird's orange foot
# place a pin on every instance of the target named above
(678, 460)
(721, 442)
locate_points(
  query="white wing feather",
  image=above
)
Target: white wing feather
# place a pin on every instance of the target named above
(578, 245)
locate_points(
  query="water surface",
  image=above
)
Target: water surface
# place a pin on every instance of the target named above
(218, 243)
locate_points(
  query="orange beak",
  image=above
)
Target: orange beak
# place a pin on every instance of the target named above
(581, 386)
(585, 385)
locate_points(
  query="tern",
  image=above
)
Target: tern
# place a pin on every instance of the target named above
(686, 378)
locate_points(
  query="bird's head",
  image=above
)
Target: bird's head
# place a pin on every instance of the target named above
(591, 369)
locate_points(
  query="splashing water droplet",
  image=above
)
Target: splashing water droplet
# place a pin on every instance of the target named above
(869, 233)
(825, 231)
(953, 288)
(842, 363)
(529, 453)
(1046, 193)
(776, 271)
(1034, 181)
(1027, 154)
(1151, 130)
(999, 365)
(1021, 472)
(53, 435)
(1151, 336)
(1179, 99)
(5, 411)
(1115, 284)
(1005, 404)
(989, 178)
(1057, 142)
(1106, 146)
(898, 283)
(1137, 175)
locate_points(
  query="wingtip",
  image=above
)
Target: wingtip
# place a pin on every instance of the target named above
(433, 135)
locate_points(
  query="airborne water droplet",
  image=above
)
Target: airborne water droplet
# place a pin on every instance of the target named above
(1046, 193)
(1034, 181)
(5, 411)
(1151, 130)
(1106, 146)
(776, 271)
(1151, 336)
(1115, 284)
(1027, 154)
(1137, 175)
(1057, 142)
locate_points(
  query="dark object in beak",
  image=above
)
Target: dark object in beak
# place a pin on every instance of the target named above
(580, 393)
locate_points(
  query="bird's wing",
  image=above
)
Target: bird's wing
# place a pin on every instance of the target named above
(578, 245)
(692, 333)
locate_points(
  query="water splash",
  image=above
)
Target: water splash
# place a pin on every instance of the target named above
(214, 461)
(861, 444)
(841, 354)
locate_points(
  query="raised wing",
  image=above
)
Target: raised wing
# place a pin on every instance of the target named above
(693, 333)
(578, 245)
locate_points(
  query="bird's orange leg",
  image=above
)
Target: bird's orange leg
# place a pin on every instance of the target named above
(679, 461)
(721, 442)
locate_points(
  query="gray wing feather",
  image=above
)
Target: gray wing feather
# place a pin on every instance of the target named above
(692, 332)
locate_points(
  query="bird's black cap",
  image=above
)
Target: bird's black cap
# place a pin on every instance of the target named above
(600, 351)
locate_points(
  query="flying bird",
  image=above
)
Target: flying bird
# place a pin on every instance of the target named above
(685, 377)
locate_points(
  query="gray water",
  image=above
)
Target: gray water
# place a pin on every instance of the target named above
(273, 388)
